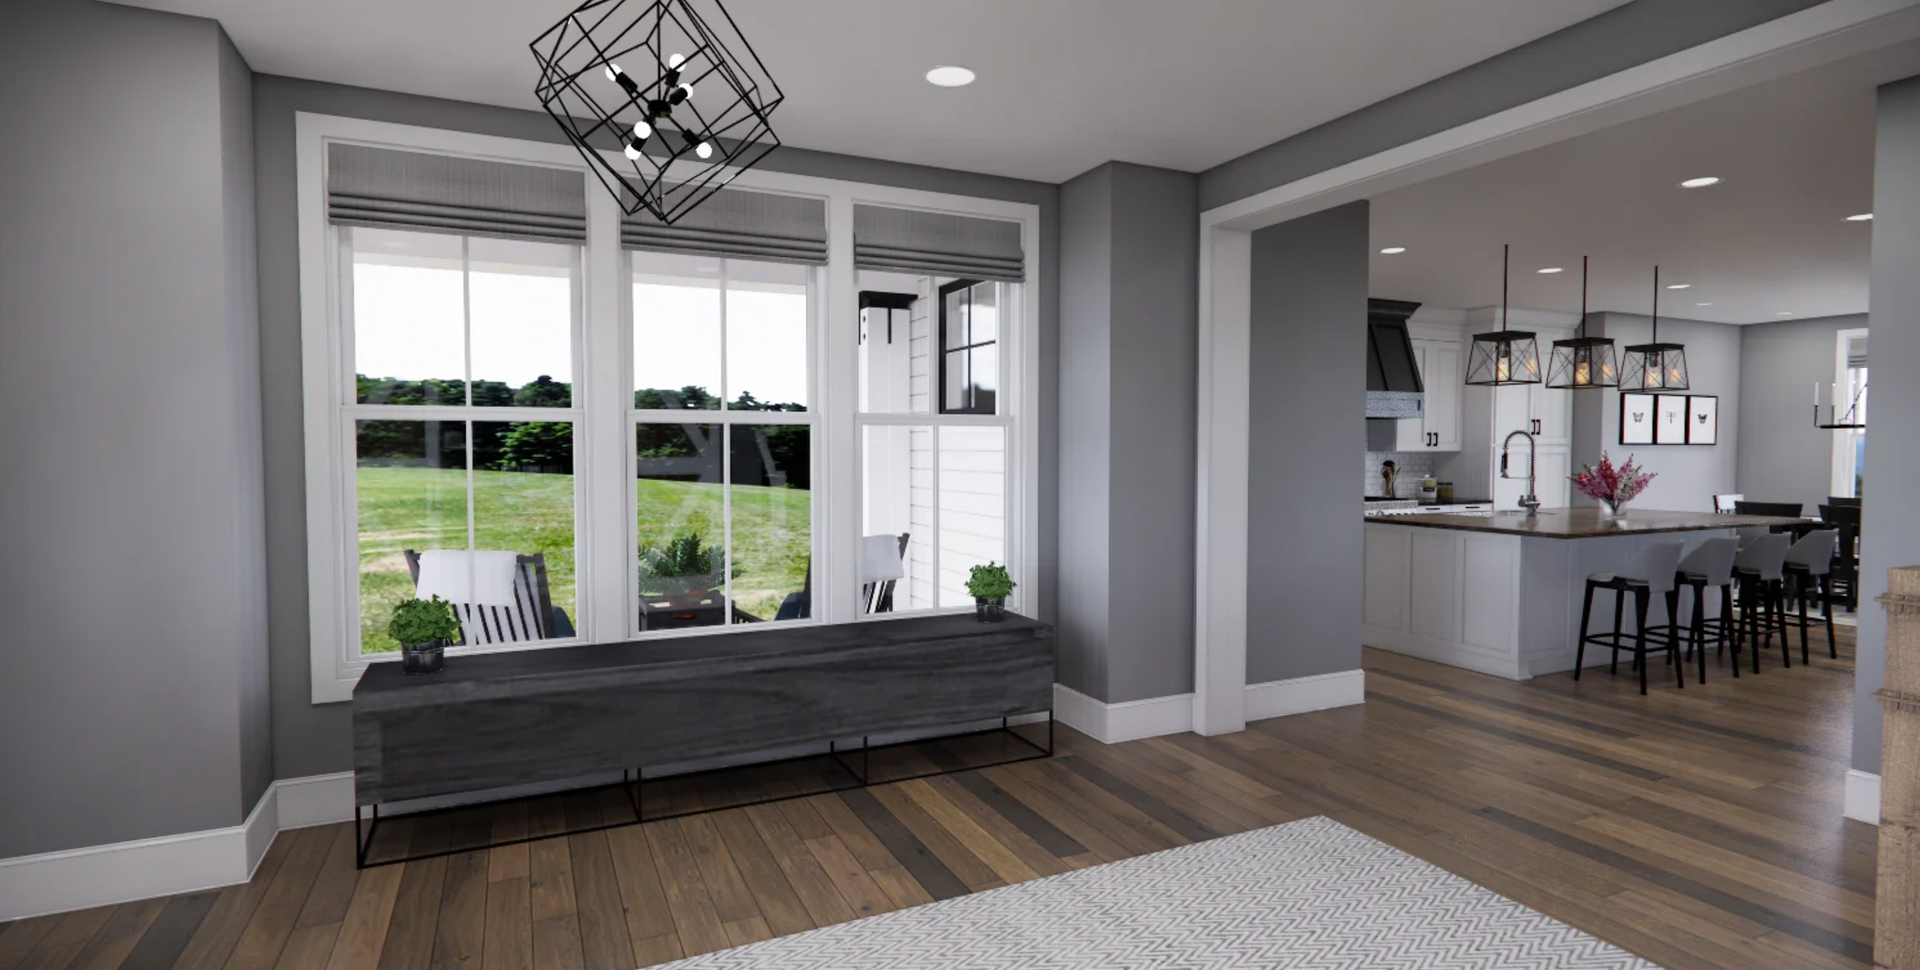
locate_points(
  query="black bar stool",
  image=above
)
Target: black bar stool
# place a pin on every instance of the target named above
(1808, 570)
(1708, 565)
(1650, 572)
(1758, 569)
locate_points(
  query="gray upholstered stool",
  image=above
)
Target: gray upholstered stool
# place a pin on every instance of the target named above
(1808, 571)
(1708, 565)
(1759, 570)
(1650, 572)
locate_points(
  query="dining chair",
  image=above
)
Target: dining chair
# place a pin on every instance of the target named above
(1843, 500)
(1758, 568)
(1808, 571)
(1790, 510)
(1845, 577)
(1723, 504)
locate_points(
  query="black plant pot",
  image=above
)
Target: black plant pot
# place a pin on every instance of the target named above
(990, 611)
(423, 658)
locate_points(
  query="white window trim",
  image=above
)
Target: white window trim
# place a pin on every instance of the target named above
(603, 435)
(1843, 470)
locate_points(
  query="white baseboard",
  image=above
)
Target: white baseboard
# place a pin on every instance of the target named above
(1279, 698)
(1173, 714)
(315, 800)
(1863, 797)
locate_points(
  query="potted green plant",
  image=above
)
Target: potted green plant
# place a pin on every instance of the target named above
(423, 627)
(989, 586)
(684, 571)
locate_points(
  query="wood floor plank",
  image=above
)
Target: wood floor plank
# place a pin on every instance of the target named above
(460, 934)
(809, 881)
(415, 915)
(741, 932)
(927, 868)
(657, 949)
(77, 927)
(509, 861)
(1035, 826)
(900, 886)
(556, 944)
(850, 878)
(1005, 863)
(333, 888)
(163, 942)
(943, 844)
(859, 839)
(732, 900)
(309, 947)
(265, 935)
(23, 937)
(363, 934)
(509, 927)
(550, 862)
(603, 922)
(115, 940)
(640, 892)
(779, 905)
(695, 921)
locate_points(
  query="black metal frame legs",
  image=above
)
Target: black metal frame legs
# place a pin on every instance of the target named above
(633, 785)
(1645, 640)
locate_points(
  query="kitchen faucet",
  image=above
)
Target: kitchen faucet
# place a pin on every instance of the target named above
(1529, 501)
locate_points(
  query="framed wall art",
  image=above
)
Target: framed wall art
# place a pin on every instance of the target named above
(1636, 419)
(1703, 419)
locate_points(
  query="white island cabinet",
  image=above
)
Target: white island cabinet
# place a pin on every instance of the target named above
(1501, 593)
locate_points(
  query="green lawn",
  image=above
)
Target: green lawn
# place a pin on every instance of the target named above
(424, 508)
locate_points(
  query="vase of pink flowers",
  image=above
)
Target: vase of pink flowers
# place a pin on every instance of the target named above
(1612, 486)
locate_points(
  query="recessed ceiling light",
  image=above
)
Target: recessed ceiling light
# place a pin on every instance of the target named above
(1551, 269)
(1703, 304)
(1862, 217)
(1679, 286)
(1784, 313)
(1393, 250)
(1701, 182)
(949, 76)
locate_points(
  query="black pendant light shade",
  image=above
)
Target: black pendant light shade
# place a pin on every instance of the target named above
(669, 85)
(1654, 366)
(1501, 358)
(1583, 362)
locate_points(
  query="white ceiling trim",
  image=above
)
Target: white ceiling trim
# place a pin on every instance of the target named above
(1818, 35)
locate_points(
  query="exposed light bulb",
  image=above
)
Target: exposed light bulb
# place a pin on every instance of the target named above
(613, 71)
(642, 131)
(633, 152)
(675, 61)
(688, 89)
(704, 150)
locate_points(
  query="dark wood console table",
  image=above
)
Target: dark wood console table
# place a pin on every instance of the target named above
(540, 716)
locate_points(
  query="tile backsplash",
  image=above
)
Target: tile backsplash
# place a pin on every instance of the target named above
(1413, 466)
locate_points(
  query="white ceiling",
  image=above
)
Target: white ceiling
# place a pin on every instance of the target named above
(1796, 157)
(1064, 85)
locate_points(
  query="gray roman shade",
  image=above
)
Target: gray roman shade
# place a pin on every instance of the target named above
(1857, 352)
(739, 223)
(391, 189)
(937, 243)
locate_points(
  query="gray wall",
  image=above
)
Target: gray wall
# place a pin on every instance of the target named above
(1688, 475)
(132, 697)
(1308, 411)
(311, 739)
(1621, 38)
(1890, 527)
(1783, 456)
(1129, 339)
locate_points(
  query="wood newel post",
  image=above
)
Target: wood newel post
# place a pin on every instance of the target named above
(1896, 944)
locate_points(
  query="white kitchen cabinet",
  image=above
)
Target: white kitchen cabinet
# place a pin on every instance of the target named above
(1438, 427)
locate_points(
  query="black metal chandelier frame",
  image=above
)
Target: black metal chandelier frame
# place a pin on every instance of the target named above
(1655, 366)
(679, 151)
(1504, 358)
(1582, 362)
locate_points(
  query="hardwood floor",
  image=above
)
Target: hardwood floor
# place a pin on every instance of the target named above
(1698, 828)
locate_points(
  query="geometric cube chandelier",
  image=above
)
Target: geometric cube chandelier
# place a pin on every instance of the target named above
(1583, 362)
(1502, 358)
(620, 77)
(1654, 366)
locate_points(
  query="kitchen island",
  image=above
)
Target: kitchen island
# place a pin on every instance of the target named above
(1501, 592)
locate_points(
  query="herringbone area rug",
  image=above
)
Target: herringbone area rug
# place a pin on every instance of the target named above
(1308, 895)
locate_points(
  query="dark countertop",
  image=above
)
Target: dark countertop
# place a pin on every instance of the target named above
(520, 672)
(1583, 523)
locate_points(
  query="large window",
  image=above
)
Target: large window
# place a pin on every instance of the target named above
(581, 427)
(1849, 395)
(462, 359)
(723, 512)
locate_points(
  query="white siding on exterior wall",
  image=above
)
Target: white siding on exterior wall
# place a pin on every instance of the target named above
(973, 505)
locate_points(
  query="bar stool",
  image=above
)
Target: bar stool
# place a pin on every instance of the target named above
(1652, 571)
(1708, 565)
(1809, 567)
(1758, 569)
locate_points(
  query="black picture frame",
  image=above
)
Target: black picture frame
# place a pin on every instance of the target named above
(1670, 419)
(1637, 416)
(1703, 419)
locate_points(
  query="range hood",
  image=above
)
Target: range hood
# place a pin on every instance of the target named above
(1394, 389)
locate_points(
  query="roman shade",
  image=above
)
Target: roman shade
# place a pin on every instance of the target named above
(391, 189)
(739, 223)
(1857, 352)
(937, 243)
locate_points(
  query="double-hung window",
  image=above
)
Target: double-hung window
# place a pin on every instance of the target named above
(582, 427)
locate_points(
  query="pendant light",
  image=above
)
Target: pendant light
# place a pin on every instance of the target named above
(1502, 358)
(1654, 366)
(1583, 362)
